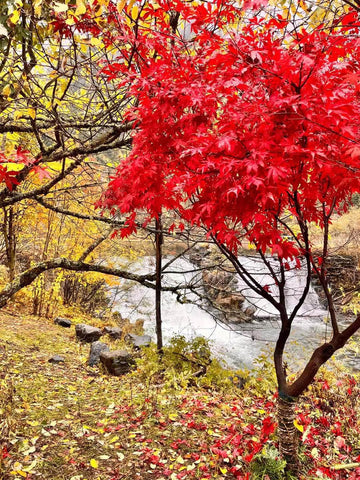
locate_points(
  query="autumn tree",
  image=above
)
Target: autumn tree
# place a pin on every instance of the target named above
(252, 134)
(61, 126)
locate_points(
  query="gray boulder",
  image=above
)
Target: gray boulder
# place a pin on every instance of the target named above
(198, 253)
(138, 340)
(117, 362)
(56, 359)
(230, 300)
(113, 332)
(87, 333)
(250, 310)
(95, 350)
(63, 322)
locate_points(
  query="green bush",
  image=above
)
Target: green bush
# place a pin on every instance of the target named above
(268, 465)
(355, 200)
(262, 378)
(183, 363)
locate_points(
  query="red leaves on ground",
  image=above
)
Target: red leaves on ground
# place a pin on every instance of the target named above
(237, 430)
(5, 452)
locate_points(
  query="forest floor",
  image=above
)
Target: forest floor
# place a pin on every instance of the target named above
(69, 421)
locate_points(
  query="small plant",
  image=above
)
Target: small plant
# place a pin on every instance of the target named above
(267, 465)
(262, 379)
(355, 200)
(195, 352)
(183, 363)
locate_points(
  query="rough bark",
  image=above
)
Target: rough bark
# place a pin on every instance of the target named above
(9, 236)
(288, 394)
(288, 434)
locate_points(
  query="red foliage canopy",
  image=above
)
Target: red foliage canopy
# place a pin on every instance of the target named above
(237, 128)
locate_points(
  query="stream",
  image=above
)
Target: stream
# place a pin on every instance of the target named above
(236, 345)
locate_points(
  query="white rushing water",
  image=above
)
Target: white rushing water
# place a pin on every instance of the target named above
(295, 284)
(238, 345)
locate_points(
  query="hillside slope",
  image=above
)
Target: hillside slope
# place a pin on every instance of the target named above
(71, 422)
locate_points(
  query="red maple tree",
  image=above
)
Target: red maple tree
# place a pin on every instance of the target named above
(240, 130)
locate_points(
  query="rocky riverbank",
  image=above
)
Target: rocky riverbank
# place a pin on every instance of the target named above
(222, 293)
(221, 289)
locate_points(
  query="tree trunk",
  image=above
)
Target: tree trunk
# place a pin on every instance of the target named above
(27, 277)
(158, 244)
(288, 434)
(8, 230)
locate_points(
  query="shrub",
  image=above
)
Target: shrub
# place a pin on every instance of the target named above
(268, 465)
(183, 363)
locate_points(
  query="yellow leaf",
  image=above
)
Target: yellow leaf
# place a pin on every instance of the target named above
(344, 466)
(37, 7)
(173, 416)
(298, 426)
(223, 470)
(95, 41)
(315, 453)
(303, 6)
(60, 7)
(70, 21)
(120, 6)
(6, 90)
(131, 3)
(80, 8)
(114, 439)
(31, 466)
(62, 85)
(94, 463)
(135, 12)
(14, 17)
